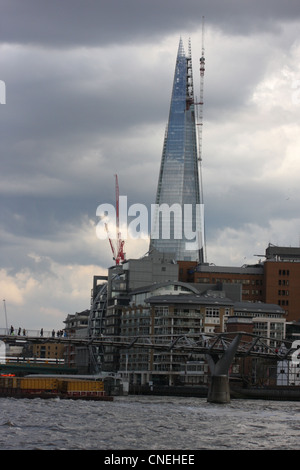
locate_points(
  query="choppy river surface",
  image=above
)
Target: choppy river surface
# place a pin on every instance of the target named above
(148, 423)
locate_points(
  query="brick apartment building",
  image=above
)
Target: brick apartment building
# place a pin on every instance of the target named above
(276, 280)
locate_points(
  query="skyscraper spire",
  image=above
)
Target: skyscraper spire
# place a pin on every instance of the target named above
(177, 225)
(181, 52)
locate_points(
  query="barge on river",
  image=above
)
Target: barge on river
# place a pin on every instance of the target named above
(53, 387)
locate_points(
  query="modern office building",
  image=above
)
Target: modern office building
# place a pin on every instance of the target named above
(177, 225)
(164, 311)
(168, 310)
(268, 320)
(109, 298)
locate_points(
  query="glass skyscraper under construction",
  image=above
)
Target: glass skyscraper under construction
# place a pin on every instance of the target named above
(177, 221)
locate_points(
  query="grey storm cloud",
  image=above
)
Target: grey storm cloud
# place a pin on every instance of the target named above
(93, 22)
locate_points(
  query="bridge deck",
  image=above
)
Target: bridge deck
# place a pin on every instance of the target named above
(250, 344)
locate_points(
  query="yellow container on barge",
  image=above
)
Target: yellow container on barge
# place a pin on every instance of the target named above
(30, 383)
(51, 387)
(82, 385)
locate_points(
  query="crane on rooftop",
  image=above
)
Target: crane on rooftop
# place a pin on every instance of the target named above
(117, 248)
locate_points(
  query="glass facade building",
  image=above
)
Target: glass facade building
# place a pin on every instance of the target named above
(177, 218)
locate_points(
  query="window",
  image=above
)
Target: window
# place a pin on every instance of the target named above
(212, 312)
(161, 310)
(284, 272)
(204, 279)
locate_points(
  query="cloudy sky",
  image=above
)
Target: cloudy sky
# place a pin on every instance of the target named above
(88, 86)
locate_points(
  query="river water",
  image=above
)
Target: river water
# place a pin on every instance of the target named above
(148, 423)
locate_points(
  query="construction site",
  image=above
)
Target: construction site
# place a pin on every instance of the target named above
(174, 291)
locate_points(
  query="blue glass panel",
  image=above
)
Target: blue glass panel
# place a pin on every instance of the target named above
(179, 179)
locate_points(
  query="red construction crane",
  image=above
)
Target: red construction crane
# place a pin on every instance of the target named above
(117, 251)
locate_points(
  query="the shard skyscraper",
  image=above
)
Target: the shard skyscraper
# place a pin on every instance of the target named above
(177, 220)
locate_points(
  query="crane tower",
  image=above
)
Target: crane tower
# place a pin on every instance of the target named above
(118, 250)
(200, 125)
(200, 115)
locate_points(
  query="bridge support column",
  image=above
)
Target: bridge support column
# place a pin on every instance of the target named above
(219, 390)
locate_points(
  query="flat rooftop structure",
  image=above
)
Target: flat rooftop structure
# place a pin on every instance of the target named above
(183, 299)
(258, 307)
(246, 269)
(282, 253)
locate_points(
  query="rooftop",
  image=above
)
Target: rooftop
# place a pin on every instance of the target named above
(282, 253)
(189, 299)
